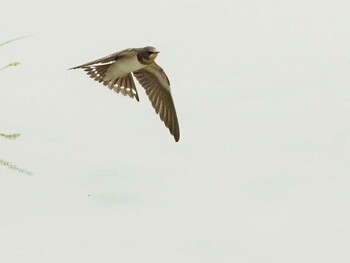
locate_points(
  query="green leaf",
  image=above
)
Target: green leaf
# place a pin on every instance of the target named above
(13, 64)
(10, 136)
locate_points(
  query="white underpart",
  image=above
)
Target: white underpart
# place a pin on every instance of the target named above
(122, 67)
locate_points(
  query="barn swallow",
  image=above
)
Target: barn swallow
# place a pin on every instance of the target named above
(115, 71)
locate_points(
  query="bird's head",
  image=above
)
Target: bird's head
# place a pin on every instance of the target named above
(147, 55)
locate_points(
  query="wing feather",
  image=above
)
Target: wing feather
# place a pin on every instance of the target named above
(157, 87)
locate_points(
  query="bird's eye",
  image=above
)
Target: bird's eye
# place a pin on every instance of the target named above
(150, 52)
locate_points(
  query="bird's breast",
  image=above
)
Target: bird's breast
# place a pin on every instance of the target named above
(124, 66)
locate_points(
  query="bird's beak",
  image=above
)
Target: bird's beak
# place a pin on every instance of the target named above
(156, 51)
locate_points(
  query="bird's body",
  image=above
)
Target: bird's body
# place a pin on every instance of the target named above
(124, 66)
(115, 71)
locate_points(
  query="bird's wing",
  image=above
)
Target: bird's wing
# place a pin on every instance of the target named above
(157, 87)
(125, 85)
(97, 70)
(110, 59)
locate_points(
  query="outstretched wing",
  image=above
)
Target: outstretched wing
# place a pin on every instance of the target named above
(98, 68)
(157, 87)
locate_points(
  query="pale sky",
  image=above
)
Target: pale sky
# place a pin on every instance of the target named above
(261, 171)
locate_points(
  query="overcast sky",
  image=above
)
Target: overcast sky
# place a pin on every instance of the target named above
(261, 172)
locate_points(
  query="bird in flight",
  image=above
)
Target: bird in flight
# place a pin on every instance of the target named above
(115, 71)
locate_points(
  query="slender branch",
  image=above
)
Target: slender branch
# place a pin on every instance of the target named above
(15, 39)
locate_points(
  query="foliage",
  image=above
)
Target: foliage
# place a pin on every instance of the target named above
(14, 135)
